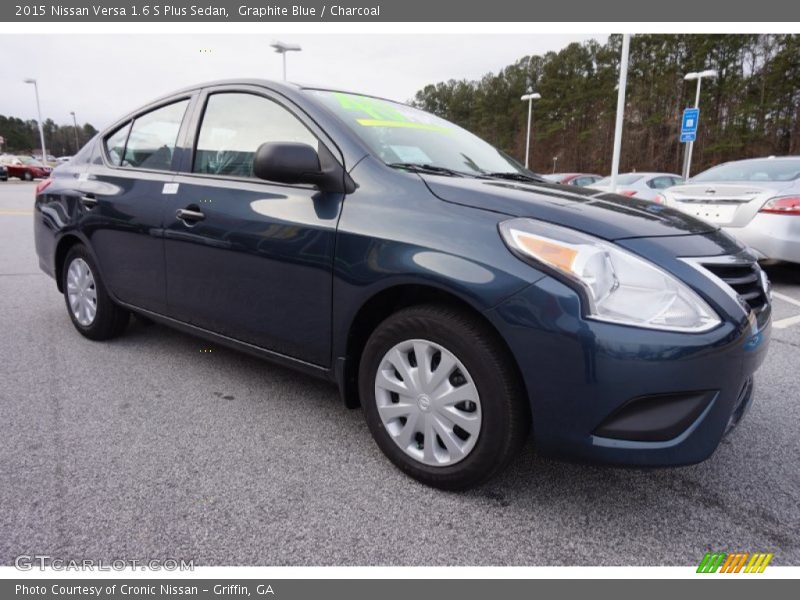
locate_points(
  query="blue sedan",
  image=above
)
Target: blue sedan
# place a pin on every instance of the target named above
(457, 298)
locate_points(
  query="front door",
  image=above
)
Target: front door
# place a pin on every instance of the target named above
(246, 258)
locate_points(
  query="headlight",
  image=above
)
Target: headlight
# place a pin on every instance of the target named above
(620, 287)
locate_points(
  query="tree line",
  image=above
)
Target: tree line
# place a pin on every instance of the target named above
(22, 137)
(751, 109)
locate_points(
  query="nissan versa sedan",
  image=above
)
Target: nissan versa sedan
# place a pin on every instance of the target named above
(457, 298)
(756, 200)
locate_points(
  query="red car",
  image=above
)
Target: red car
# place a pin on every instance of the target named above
(29, 169)
(579, 179)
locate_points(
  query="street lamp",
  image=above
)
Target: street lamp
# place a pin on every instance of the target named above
(39, 111)
(687, 155)
(623, 84)
(75, 122)
(529, 98)
(283, 48)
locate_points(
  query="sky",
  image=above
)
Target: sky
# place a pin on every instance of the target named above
(102, 77)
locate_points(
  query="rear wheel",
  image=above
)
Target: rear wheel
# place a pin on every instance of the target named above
(441, 396)
(92, 311)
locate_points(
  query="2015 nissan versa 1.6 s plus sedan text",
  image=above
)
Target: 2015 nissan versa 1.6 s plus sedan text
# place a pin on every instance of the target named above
(456, 297)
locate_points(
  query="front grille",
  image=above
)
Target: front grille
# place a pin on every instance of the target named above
(745, 279)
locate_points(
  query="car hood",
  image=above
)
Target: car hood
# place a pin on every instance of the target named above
(597, 213)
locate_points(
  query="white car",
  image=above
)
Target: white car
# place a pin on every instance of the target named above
(639, 185)
(755, 200)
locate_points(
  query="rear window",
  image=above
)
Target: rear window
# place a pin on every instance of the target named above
(153, 137)
(147, 142)
(763, 169)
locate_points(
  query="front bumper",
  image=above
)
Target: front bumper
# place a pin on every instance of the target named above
(771, 236)
(581, 374)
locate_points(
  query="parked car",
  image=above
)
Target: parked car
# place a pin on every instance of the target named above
(453, 295)
(63, 159)
(640, 185)
(3, 173)
(755, 200)
(28, 169)
(580, 179)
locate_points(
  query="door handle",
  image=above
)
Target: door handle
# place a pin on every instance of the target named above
(88, 201)
(187, 214)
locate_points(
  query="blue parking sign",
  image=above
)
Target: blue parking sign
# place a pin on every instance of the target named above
(689, 122)
(688, 137)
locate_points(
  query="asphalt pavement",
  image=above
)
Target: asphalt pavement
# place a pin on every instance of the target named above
(150, 446)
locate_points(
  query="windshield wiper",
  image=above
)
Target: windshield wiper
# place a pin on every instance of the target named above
(514, 176)
(425, 168)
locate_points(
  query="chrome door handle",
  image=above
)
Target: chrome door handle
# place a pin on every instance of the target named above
(186, 214)
(89, 201)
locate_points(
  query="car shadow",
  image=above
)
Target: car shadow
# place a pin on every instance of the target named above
(579, 495)
(782, 272)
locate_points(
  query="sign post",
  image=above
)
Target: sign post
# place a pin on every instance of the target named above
(688, 135)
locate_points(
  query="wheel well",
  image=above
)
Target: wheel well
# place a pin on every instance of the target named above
(64, 245)
(384, 304)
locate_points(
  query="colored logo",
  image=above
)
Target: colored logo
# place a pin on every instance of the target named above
(738, 562)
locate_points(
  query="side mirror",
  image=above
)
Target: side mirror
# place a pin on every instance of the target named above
(291, 162)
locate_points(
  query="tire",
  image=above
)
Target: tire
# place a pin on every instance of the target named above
(108, 320)
(499, 415)
(27, 176)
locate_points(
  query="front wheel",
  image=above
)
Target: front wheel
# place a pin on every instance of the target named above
(441, 396)
(27, 176)
(92, 311)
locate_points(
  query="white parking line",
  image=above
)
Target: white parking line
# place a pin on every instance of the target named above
(787, 322)
(786, 298)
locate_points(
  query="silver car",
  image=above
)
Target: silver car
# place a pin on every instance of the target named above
(755, 200)
(645, 186)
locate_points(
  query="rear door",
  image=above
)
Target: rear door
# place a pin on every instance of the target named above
(248, 258)
(130, 175)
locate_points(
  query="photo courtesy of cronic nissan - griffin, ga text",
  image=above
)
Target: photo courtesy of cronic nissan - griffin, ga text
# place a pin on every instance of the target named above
(459, 299)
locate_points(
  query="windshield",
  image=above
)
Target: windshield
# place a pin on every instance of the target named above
(31, 162)
(763, 169)
(621, 179)
(400, 134)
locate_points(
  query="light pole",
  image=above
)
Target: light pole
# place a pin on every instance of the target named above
(39, 111)
(282, 48)
(75, 122)
(529, 98)
(687, 155)
(623, 83)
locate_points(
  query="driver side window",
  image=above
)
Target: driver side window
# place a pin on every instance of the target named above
(235, 124)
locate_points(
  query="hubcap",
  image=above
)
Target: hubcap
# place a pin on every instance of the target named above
(81, 292)
(428, 402)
